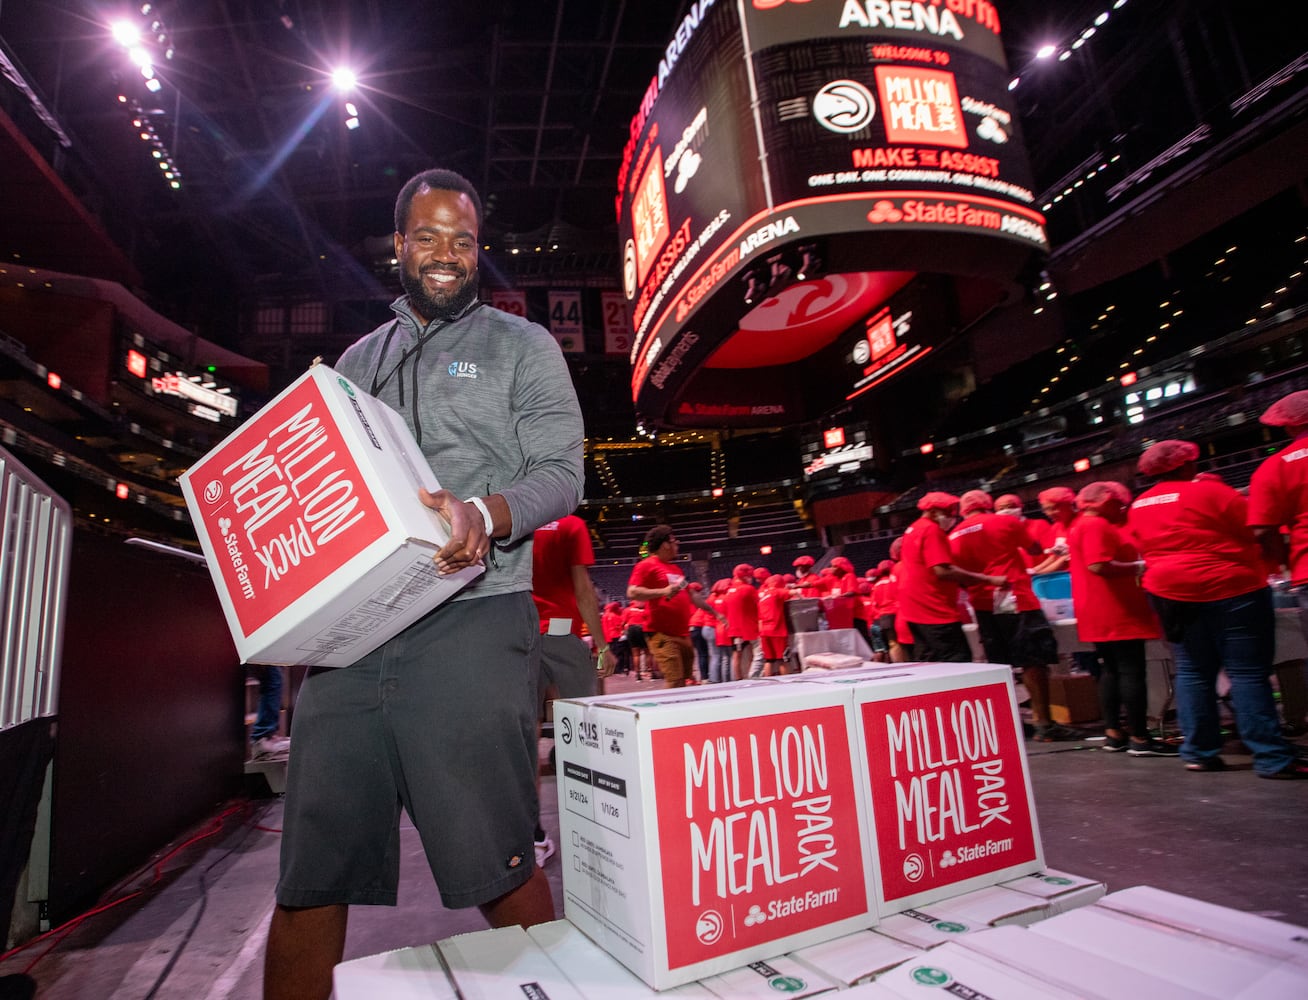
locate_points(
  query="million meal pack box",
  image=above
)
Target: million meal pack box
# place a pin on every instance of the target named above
(310, 521)
(712, 827)
(947, 787)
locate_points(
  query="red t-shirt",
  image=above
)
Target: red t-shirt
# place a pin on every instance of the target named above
(813, 585)
(720, 636)
(1278, 497)
(1108, 608)
(772, 612)
(1048, 533)
(923, 597)
(555, 548)
(669, 615)
(613, 625)
(839, 609)
(885, 595)
(633, 615)
(1196, 541)
(993, 544)
(742, 611)
(699, 618)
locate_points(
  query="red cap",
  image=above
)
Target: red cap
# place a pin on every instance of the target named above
(1056, 495)
(974, 500)
(938, 501)
(803, 561)
(1288, 411)
(1166, 456)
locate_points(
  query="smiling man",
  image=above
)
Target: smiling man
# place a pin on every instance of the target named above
(441, 720)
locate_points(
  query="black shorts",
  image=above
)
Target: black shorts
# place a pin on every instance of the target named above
(440, 720)
(940, 643)
(636, 637)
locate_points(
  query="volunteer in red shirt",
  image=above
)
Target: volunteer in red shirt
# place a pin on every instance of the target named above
(561, 587)
(657, 580)
(1009, 504)
(1278, 501)
(1203, 569)
(742, 621)
(702, 619)
(772, 625)
(902, 635)
(615, 634)
(720, 663)
(929, 582)
(808, 583)
(842, 594)
(1113, 613)
(1012, 627)
(1058, 503)
(635, 616)
(885, 606)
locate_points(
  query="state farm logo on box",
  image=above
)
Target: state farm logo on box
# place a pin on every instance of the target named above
(949, 796)
(758, 831)
(284, 504)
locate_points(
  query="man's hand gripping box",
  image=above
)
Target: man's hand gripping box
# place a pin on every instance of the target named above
(310, 520)
(705, 829)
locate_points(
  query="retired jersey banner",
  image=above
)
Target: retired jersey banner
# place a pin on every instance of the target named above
(565, 321)
(510, 301)
(617, 324)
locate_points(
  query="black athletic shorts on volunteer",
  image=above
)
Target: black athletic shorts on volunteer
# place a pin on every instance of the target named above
(940, 643)
(440, 720)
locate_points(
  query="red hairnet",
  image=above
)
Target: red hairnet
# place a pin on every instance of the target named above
(761, 573)
(720, 587)
(840, 562)
(775, 581)
(613, 606)
(694, 585)
(743, 570)
(788, 577)
(1288, 411)
(885, 566)
(865, 589)
(938, 501)
(1095, 495)
(1057, 494)
(896, 548)
(974, 500)
(1008, 499)
(803, 561)
(1166, 456)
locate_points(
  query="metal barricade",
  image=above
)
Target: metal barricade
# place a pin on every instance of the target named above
(36, 532)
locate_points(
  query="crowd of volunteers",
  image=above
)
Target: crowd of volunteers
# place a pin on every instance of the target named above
(1189, 562)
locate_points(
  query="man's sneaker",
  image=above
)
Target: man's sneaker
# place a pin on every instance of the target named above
(1052, 732)
(1152, 748)
(271, 746)
(1114, 744)
(1297, 768)
(544, 851)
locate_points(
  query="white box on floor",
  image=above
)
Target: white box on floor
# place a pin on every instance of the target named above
(1094, 977)
(309, 518)
(948, 788)
(1061, 891)
(405, 974)
(1205, 966)
(1248, 930)
(503, 964)
(946, 919)
(952, 970)
(595, 973)
(707, 828)
(855, 957)
(776, 976)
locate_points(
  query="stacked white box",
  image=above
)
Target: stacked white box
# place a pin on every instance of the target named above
(856, 957)
(1061, 891)
(503, 964)
(707, 828)
(310, 521)
(947, 919)
(404, 974)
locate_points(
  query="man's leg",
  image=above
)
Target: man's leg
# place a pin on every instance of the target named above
(527, 905)
(304, 946)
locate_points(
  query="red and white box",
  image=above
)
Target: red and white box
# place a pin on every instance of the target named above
(310, 521)
(705, 829)
(949, 792)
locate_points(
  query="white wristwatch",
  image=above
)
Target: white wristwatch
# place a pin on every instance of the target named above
(480, 504)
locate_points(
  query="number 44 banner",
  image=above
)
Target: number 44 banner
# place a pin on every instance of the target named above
(565, 321)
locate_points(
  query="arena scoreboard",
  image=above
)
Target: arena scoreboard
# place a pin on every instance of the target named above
(804, 186)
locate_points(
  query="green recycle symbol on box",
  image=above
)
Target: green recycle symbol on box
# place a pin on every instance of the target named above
(929, 976)
(787, 984)
(1056, 880)
(949, 927)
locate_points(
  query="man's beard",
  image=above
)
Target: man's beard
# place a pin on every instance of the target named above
(431, 308)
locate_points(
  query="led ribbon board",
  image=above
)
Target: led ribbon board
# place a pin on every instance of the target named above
(796, 164)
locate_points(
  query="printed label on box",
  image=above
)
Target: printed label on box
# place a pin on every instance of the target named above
(950, 799)
(758, 831)
(285, 507)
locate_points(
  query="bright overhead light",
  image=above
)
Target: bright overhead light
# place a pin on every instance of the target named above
(125, 33)
(351, 123)
(351, 110)
(1045, 51)
(1101, 19)
(343, 79)
(1065, 55)
(153, 85)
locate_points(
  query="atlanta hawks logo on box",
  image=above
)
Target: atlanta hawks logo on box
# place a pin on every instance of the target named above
(758, 830)
(949, 796)
(284, 506)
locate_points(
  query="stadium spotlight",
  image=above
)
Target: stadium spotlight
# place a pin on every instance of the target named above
(125, 33)
(344, 79)
(1045, 51)
(927, 448)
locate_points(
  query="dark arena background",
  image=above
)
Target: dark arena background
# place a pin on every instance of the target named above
(807, 260)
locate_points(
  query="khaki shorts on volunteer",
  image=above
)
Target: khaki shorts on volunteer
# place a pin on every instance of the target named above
(441, 720)
(674, 656)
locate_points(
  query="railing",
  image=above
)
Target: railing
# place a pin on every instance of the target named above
(35, 543)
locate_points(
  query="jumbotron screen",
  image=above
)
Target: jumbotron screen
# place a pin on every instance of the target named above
(793, 166)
